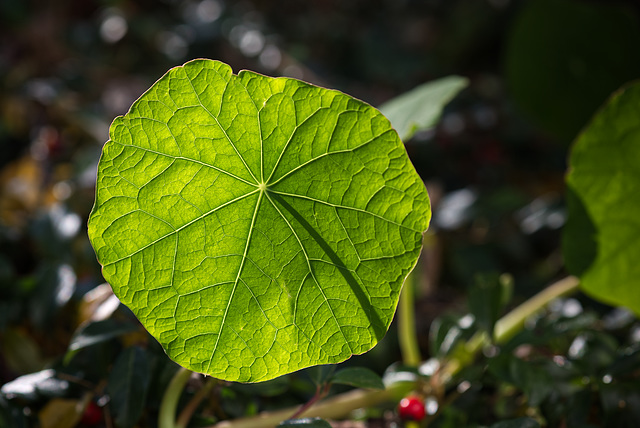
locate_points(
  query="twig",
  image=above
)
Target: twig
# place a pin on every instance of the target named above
(167, 416)
(192, 405)
(341, 405)
(407, 324)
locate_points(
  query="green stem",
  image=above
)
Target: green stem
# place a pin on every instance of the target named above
(192, 405)
(407, 336)
(332, 408)
(341, 405)
(167, 416)
(510, 324)
(513, 322)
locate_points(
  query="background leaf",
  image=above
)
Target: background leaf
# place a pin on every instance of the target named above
(486, 300)
(603, 175)
(360, 377)
(128, 386)
(97, 332)
(254, 225)
(565, 57)
(420, 108)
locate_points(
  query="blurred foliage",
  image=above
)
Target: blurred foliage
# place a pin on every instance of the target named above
(494, 166)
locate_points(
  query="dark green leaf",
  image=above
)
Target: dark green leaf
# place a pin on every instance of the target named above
(564, 58)
(321, 374)
(486, 300)
(579, 243)
(97, 332)
(128, 386)
(360, 377)
(447, 332)
(603, 175)
(256, 226)
(35, 385)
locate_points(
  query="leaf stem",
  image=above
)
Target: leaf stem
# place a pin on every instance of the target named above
(167, 415)
(192, 405)
(510, 324)
(407, 336)
(331, 408)
(321, 392)
(340, 405)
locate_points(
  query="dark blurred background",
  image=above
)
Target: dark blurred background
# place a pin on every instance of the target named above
(494, 165)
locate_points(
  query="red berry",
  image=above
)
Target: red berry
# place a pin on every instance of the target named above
(92, 415)
(411, 408)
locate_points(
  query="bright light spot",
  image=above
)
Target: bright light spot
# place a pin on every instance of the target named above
(251, 43)
(26, 384)
(607, 378)
(559, 360)
(66, 284)
(578, 347)
(65, 224)
(395, 377)
(431, 405)
(61, 190)
(208, 11)
(270, 57)
(571, 308)
(454, 209)
(113, 28)
(463, 386)
(556, 219)
(450, 338)
(172, 45)
(69, 225)
(466, 321)
(429, 367)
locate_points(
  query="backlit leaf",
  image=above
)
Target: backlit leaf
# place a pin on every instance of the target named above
(420, 108)
(254, 225)
(604, 184)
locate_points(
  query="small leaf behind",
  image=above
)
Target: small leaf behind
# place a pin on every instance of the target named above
(97, 332)
(128, 386)
(420, 108)
(360, 377)
(604, 181)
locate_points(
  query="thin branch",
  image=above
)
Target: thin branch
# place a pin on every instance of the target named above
(341, 405)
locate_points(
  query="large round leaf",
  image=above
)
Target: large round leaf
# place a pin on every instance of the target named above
(255, 225)
(602, 236)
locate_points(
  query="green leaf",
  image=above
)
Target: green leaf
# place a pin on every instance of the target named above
(605, 180)
(35, 385)
(420, 108)
(128, 386)
(256, 226)
(486, 300)
(360, 377)
(564, 58)
(97, 332)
